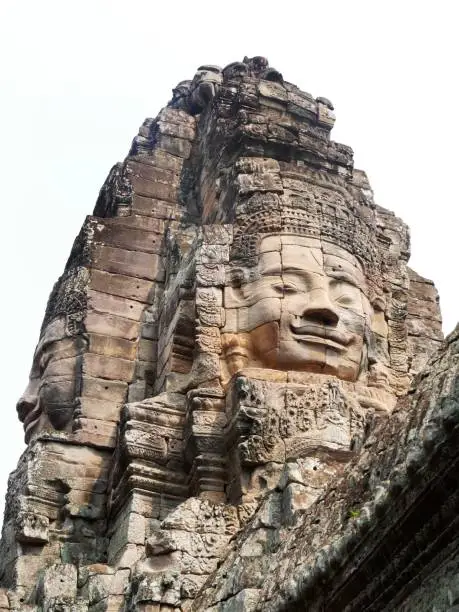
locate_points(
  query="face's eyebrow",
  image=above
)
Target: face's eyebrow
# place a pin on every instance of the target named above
(345, 275)
(278, 271)
(42, 347)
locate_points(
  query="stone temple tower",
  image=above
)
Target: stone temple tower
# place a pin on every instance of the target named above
(229, 406)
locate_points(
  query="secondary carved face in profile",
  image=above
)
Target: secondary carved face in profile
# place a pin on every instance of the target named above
(307, 310)
(49, 400)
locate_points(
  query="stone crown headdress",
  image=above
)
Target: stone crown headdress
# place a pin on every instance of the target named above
(345, 224)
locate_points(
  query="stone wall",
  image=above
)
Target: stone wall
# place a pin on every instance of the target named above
(226, 368)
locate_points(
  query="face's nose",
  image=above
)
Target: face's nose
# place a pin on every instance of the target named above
(319, 308)
(27, 401)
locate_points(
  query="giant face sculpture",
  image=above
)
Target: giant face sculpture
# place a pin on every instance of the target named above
(49, 401)
(307, 309)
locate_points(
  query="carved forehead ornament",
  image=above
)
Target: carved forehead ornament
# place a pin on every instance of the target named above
(337, 223)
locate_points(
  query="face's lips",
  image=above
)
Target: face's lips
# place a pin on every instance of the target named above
(31, 420)
(32, 417)
(319, 334)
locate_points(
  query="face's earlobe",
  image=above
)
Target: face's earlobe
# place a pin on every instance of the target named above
(266, 340)
(370, 344)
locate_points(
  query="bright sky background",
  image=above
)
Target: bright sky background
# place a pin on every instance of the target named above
(78, 78)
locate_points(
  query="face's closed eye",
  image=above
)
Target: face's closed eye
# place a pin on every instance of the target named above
(286, 287)
(346, 294)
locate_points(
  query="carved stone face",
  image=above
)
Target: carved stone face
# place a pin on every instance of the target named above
(48, 402)
(308, 308)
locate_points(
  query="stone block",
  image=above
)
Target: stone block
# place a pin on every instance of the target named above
(130, 263)
(213, 254)
(125, 557)
(85, 571)
(146, 370)
(151, 172)
(209, 306)
(112, 325)
(175, 146)
(149, 331)
(175, 115)
(146, 505)
(130, 238)
(270, 89)
(256, 165)
(251, 183)
(113, 392)
(121, 285)
(162, 159)
(59, 581)
(147, 350)
(142, 205)
(245, 600)
(129, 528)
(424, 308)
(32, 528)
(177, 130)
(302, 104)
(98, 587)
(120, 582)
(218, 234)
(149, 224)
(208, 340)
(104, 430)
(112, 347)
(325, 116)
(295, 497)
(113, 603)
(85, 493)
(284, 134)
(137, 391)
(111, 368)
(208, 275)
(154, 189)
(112, 304)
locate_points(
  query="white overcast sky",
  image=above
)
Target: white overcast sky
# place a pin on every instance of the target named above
(78, 78)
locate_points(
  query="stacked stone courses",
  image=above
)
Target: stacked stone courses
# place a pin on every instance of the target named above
(241, 398)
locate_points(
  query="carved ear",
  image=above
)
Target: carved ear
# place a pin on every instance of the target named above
(237, 276)
(376, 368)
(368, 352)
(369, 340)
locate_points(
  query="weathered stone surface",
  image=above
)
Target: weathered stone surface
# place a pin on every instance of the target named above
(4, 602)
(231, 405)
(119, 285)
(60, 583)
(127, 262)
(112, 325)
(112, 368)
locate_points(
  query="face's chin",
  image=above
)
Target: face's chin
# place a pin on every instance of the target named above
(60, 414)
